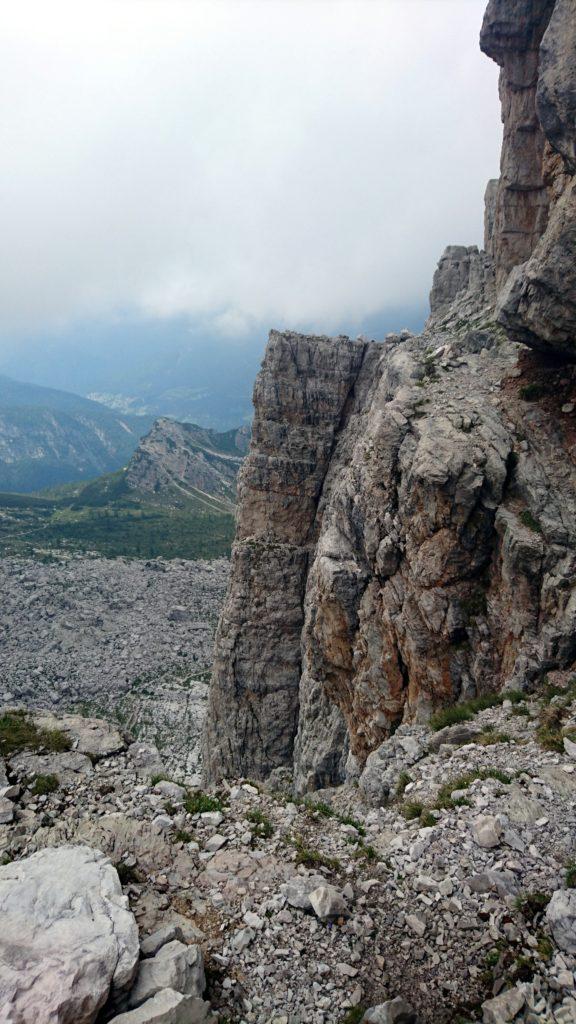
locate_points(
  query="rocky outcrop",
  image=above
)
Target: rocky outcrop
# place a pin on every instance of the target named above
(304, 394)
(511, 34)
(415, 543)
(463, 271)
(538, 303)
(533, 239)
(437, 557)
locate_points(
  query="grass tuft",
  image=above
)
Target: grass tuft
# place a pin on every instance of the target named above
(465, 710)
(45, 784)
(311, 858)
(18, 732)
(199, 803)
(262, 827)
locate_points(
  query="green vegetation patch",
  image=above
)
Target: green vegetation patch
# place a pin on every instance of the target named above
(104, 515)
(531, 904)
(311, 858)
(262, 827)
(465, 710)
(45, 784)
(528, 520)
(532, 392)
(199, 803)
(18, 732)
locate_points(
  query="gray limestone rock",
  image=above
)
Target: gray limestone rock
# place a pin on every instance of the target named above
(6, 810)
(297, 890)
(385, 765)
(68, 940)
(174, 966)
(93, 737)
(167, 1007)
(327, 902)
(504, 1007)
(561, 918)
(154, 942)
(394, 1011)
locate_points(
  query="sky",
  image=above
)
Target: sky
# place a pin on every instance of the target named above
(241, 164)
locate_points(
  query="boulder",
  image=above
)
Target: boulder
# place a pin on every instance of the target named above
(6, 811)
(91, 736)
(458, 734)
(327, 902)
(504, 1007)
(385, 765)
(393, 1011)
(66, 766)
(168, 1007)
(297, 890)
(118, 835)
(561, 918)
(146, 759)
(69, 941)
(171, 791)
(175, 966)
(487, 831)
(152, 943)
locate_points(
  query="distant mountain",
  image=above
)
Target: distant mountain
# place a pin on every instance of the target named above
(175, 499)
(182, 459)
(49, 437)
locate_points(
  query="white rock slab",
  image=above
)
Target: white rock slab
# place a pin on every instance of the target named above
(68, 939)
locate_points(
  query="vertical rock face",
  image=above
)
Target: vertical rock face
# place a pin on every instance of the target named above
(538, 303)
(301, 397)
(462, 270)
(511, 34)
(407, 526)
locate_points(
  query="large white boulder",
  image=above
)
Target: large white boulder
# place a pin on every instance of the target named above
(67, 938)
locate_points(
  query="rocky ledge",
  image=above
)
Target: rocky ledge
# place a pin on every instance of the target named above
(439, 890)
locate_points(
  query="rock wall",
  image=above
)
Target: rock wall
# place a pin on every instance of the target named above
(407, 526)
(511, 34)
(302, 397)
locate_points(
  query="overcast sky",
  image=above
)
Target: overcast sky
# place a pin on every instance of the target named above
(240, 161)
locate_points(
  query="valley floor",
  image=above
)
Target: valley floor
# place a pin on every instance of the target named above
(125, 638)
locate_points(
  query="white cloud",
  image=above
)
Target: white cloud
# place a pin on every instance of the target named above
(294, 161)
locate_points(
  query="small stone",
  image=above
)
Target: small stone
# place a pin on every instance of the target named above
(253, 920)
(394, 1011)
(570, 748)
(417, 922)
(503, 1007)
(152, 943)
(487, 831)
(327, 902)
(6, 811)
(242, 939)
(215, 843)
(561, 918)
(214, 818)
